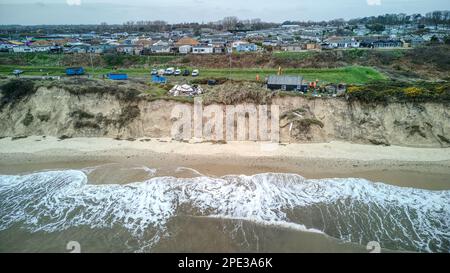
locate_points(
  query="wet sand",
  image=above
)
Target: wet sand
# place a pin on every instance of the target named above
(427, 169)
(122, 162)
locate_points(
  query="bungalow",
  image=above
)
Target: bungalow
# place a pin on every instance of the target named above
(312, 46)
(235, 44)
(145, 43)
(286, 83)
(219, 49)
(185, 49)
(97, 49)
(387, 43)
(6, 47)
(416, 41)
(246, 48)
(337, 42)
(161, 43)
(202, 50)
(270, 43)
(129, 49)
(79, 49)
(160, 49)
(40, 48)
(56, 49)
(293, 48)
(381, 43)
(187, 41)
(22, 49)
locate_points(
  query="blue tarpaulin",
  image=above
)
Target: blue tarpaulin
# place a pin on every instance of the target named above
(158, 79)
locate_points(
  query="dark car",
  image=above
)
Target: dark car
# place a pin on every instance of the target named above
(186, 72)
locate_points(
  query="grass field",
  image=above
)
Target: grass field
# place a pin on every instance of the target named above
(350, 75)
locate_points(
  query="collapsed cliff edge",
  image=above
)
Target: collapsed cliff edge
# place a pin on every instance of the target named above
(94, 108)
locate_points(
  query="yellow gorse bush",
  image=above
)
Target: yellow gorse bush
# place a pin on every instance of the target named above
(413, 91)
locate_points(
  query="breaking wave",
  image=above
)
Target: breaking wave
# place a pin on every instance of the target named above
(349, 209)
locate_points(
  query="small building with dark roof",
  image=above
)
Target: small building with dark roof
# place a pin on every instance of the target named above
(286, 83)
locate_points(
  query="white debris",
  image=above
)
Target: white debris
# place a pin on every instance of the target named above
(185, 90)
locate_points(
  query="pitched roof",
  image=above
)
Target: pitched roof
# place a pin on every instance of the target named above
(285, 80)
(187, 41)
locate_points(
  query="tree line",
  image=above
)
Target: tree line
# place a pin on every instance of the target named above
(230, 23)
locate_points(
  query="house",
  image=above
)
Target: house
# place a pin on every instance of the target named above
(286, 83)
(417, 41)
(246, 48)
(40, 48)
(96, 49)
(56, 49)
(218, 49)
(293, 48)
(187, 41)
(6, 47)
(145, 43)
(161, 43)
(272, 43)
(79, 49)
(202, 50)
(22, 49)
(312, 46)
(339, 42)
(129, 49)
(235, 44)
(387, 43)
(160, 49)
(185, 49)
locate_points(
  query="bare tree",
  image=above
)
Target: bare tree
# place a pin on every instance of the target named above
(230, 22)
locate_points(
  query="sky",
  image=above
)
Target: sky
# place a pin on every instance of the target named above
(34, 12)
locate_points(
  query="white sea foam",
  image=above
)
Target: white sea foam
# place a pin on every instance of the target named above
(352, 210)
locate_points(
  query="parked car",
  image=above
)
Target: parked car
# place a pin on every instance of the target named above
(17, 72)
(154, 72)
(195, 73)
(186, 72)
(177, 72)
(169, 71)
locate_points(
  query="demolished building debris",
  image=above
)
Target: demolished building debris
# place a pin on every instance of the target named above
(186, 90)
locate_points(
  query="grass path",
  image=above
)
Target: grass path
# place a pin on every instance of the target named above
(350, 74)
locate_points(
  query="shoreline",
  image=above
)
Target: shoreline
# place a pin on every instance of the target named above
(426, 168)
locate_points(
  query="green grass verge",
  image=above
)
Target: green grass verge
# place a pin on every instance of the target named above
(350, 75)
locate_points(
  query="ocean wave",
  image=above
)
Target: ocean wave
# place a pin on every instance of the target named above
(349, 209)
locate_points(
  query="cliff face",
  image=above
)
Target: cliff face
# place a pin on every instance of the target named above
(56, 112)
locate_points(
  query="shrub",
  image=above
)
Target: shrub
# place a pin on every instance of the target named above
(413, 91)
(28, 119)
(85, 124)
(80, 114)
(44, 117)
(128, 114)
(400, 91)
(16, 90)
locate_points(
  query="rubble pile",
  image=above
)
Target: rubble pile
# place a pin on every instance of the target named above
(186, 90)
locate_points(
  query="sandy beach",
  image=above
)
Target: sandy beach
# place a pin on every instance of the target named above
(111, 165)
(426, 168)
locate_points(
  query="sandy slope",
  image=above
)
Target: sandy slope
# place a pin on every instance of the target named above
(332, 150)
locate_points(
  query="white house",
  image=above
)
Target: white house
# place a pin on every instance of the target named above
(185, 49)
(202, 50)
(41, 48)
(22, 49)
(160, 49)
(235, 44)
